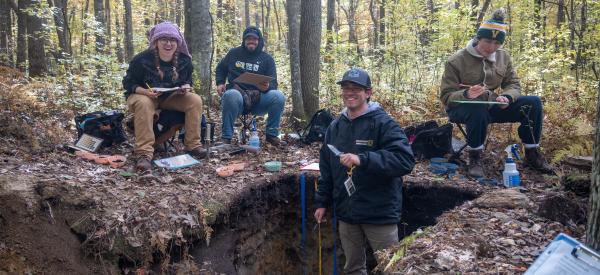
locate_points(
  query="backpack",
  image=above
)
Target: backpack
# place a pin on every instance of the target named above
(315, 130)
(106, 125)
(428, 140)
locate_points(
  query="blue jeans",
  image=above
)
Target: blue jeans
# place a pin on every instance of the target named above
(526, 109)
(232, 106)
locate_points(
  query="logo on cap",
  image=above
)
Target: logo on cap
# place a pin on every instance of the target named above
(353, 73)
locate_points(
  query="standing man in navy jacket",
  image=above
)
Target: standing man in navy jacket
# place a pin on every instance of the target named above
(249, 57)
(364, 183)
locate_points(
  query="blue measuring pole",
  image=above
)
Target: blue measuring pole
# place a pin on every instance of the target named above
(334, 240)
(303, 208)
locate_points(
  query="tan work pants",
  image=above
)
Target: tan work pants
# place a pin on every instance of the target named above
(144, 108)
(354, 237)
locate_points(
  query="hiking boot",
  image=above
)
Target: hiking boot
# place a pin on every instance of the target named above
(197, 152)
(143, 164)
(475, 169)
(535, 160)
(275, 141)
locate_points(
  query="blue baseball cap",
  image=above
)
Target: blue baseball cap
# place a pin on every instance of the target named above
(356, 76)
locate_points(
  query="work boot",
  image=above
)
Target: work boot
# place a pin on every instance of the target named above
(474, 167)
(197, 152)
(143, 164)
(275, 141)
(535, 160)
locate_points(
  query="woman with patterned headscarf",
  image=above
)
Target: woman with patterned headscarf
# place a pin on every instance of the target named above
(166, 63)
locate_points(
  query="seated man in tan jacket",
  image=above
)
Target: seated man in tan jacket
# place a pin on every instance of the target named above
(484, 72)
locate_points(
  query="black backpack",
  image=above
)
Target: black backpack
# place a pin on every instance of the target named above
(106, 125)
(428, 140)
(315, 130)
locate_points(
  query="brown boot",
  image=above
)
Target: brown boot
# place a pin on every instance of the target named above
(275, 141)
(143, 164)
(475, 169)
(535, 160)
(198, 152)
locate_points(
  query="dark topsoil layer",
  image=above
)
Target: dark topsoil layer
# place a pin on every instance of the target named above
(59, 213)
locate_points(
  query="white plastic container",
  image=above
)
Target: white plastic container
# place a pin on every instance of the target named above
(510, 175)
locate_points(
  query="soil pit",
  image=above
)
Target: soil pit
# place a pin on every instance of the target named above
(262, 232)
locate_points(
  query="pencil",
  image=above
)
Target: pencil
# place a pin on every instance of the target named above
(149, 88)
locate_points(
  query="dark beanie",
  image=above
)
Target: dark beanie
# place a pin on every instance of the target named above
(494, 28)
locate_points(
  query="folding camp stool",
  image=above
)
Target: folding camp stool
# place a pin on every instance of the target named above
(245, 121)
(456, 154)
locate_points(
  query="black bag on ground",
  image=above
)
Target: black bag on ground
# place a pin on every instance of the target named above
(316, 128)
(106, 125)
(428, 140)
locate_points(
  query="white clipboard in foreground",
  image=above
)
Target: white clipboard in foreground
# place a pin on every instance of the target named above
(565, 256)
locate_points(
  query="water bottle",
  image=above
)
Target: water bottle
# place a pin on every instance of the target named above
(254, 140)
(510, 175)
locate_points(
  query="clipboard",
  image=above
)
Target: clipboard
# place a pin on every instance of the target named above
(480, 102)
(311, 167)
(166, 90)
(177, 162)
(252, 78)
(565, 255)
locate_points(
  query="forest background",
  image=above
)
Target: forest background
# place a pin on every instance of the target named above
(78, 51)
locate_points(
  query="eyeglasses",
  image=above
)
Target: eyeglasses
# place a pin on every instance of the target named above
(352, 89)
(167, 40)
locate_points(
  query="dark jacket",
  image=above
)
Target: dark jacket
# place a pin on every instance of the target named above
(142, 71)
(385, 156)
(239, 60)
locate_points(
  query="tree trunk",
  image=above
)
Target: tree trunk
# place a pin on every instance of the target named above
(247, 13)
(593, 225)
(330, 22)
(293, 14)
(350, 12)
(128, 30)
(473, 14)
(84, 34)
(280, 33)
(267, 24)
(560, 13)
(382, 23)
(484, 8)
(375, 26)
(310, 54)
(199, 37)
(22, 36)
(118, 35)
(178, 12)
(220, 9)
(107, 20)
(38, 65)
(99, 17)
(62, 26)
(537, 10)
(6, 21)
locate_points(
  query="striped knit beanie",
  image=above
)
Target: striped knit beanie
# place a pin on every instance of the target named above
(494, 28)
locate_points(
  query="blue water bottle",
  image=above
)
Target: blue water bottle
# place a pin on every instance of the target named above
(254, 140)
